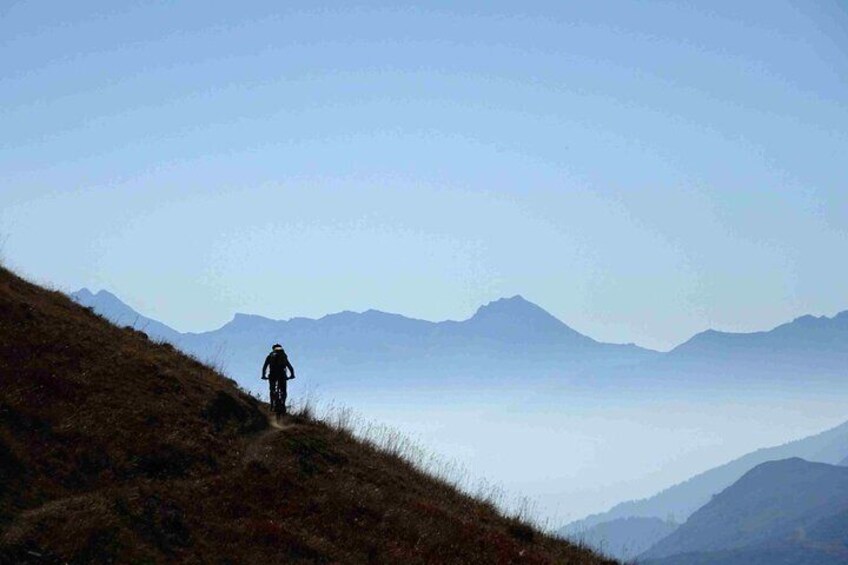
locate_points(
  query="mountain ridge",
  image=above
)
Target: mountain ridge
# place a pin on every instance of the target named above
(507, 309)
(681, 500)
(503, 338)
(120, 313)
(806, 321)
(791, 504)
(86, 296)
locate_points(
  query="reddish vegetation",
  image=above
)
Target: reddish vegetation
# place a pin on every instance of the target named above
(116, 449)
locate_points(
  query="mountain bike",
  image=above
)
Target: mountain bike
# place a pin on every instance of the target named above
(278, 399)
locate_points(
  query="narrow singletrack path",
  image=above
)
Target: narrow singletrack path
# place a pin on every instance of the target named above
(260, 449)
(272, 421)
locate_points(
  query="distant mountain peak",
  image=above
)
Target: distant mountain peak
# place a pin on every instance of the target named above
(82, 293)
(806, 317)
(242, 316)
(789, 334)
(242, 321)
(517, 316)
(511, 306)
(113, 308)
(106, 295)
(104, 292)
(85, 294)
(810, 320)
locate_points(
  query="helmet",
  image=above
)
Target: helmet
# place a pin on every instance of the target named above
(276, 346)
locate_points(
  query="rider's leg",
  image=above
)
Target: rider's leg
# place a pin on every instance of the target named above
(272, 385)
(284, 393)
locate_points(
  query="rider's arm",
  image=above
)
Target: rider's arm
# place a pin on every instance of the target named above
(291, 369)
(265, 366)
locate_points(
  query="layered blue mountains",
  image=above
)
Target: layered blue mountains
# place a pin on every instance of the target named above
(806, 349)
(785, 511)
(503, 341)
(506, 340)
(632, 528)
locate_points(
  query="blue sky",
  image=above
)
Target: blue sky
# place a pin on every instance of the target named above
(642, 170)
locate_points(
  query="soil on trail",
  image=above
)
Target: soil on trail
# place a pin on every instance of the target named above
(280, 424)
(260, 448)
(116, 449)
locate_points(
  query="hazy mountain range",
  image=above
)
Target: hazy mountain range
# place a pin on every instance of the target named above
(506, 339)
(624, 538)
(787, 511)
(807, 349)
(623, 531)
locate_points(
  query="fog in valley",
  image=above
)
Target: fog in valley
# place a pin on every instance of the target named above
(574, 453)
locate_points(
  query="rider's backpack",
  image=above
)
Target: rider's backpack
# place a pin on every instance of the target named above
(279, 362)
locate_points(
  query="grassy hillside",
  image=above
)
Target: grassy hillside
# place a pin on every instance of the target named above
(117, 449)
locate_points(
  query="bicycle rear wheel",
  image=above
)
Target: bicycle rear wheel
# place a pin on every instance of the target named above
(278, 405)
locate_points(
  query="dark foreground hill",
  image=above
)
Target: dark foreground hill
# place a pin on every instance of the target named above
(117, 449)
(790, 511)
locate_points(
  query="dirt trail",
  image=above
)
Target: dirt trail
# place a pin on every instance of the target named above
(272, 421)
(259, 449)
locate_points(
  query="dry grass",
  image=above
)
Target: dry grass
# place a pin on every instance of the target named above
(344, 420)
(117, 449)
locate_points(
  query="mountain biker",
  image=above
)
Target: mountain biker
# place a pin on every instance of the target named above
(277, 361)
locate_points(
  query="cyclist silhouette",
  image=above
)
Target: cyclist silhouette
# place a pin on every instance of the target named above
(278, 362)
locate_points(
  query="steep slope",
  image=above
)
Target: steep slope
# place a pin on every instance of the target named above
(116, 449)
(681, 500)
(504, 338)
(790, 504)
